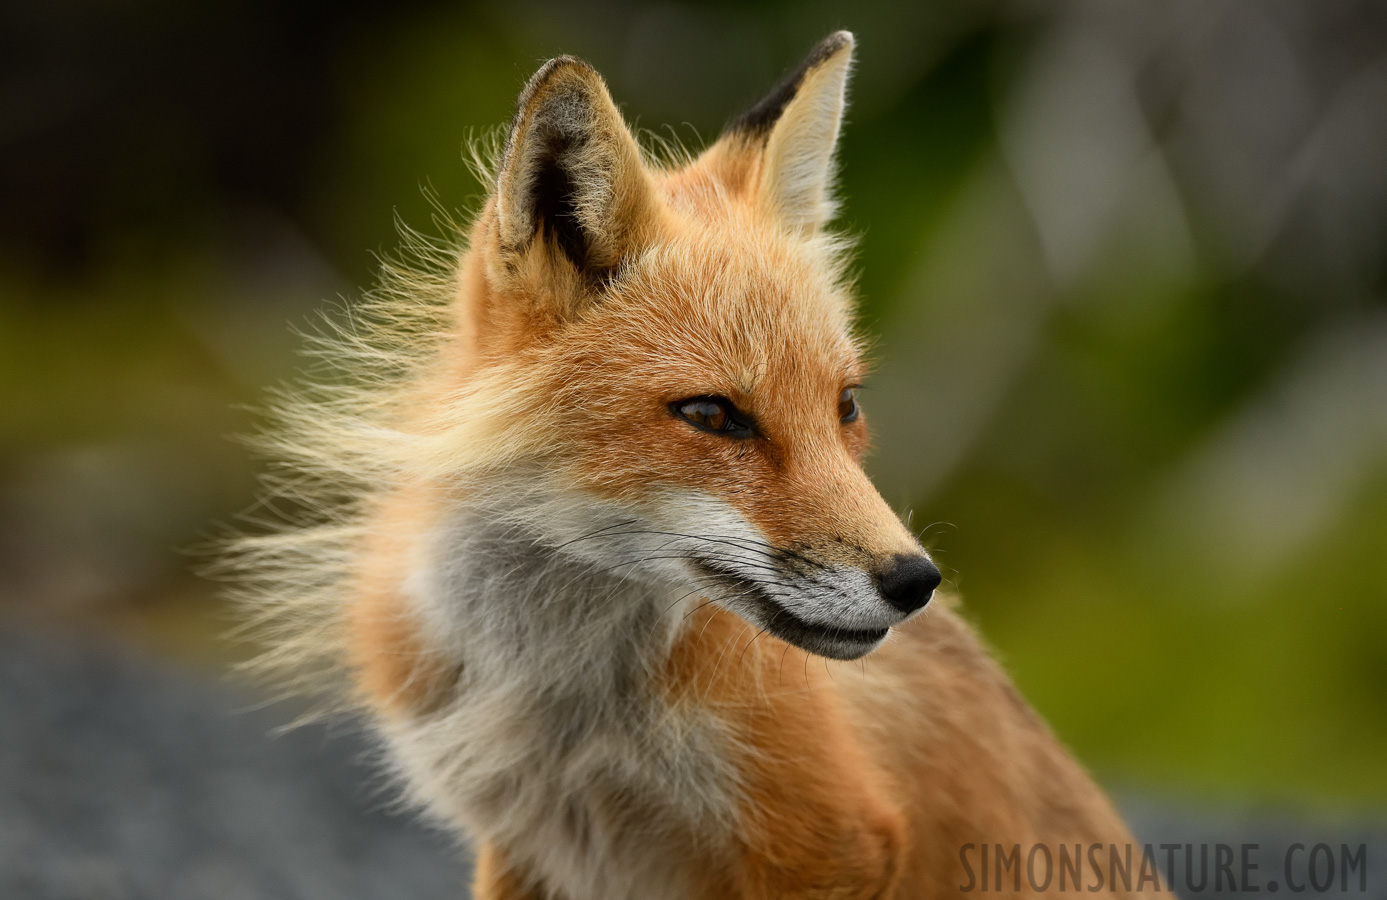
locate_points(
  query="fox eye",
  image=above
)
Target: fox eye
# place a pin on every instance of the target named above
(716, 414)
(847, 406)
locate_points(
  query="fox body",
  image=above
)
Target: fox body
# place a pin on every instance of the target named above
(602, 552)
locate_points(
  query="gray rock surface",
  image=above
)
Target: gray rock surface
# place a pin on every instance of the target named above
(1336, 856)
(127, 778)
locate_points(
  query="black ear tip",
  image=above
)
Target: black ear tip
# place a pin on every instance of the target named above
(826, 49)
(758, 121)
(833, 43)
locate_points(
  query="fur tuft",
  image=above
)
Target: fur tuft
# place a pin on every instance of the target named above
(335, 439)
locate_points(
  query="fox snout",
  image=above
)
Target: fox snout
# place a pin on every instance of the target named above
(908, 581)
(831, 593)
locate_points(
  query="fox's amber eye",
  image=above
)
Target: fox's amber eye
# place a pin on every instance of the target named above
(715, 414)
(847, 406)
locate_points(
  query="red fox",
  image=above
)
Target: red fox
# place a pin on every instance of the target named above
(592, 545)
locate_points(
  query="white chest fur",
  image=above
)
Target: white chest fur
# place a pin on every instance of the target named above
(558, 745)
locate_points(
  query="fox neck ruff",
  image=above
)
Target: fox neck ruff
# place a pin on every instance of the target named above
(557, 742)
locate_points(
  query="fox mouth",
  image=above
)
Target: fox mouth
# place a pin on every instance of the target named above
(753, 601)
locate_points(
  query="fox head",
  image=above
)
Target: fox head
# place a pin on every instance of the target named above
(669, 350)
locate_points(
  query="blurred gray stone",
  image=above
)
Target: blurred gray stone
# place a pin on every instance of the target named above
(1269, 835)
(123, 777)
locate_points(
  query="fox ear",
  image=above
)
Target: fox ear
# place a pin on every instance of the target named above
(795, 130)
(571, 177)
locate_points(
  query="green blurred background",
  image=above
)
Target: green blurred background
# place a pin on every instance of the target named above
(1126, 261)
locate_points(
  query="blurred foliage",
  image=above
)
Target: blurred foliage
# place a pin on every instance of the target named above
(1127, 264)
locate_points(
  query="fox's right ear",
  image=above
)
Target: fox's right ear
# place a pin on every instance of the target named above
(571, 182)
(782, 149)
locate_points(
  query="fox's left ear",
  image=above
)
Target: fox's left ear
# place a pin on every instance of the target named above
(784, 145)
(571, 182)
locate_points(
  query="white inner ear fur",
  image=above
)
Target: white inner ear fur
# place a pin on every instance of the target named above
(797, 177)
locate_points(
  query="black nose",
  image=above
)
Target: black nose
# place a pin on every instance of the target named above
(908, 582)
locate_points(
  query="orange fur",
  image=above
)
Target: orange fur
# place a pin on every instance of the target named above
(817, 816)
(397, 671)
(683, 751)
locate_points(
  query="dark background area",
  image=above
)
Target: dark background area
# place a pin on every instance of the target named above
(1126, 263)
